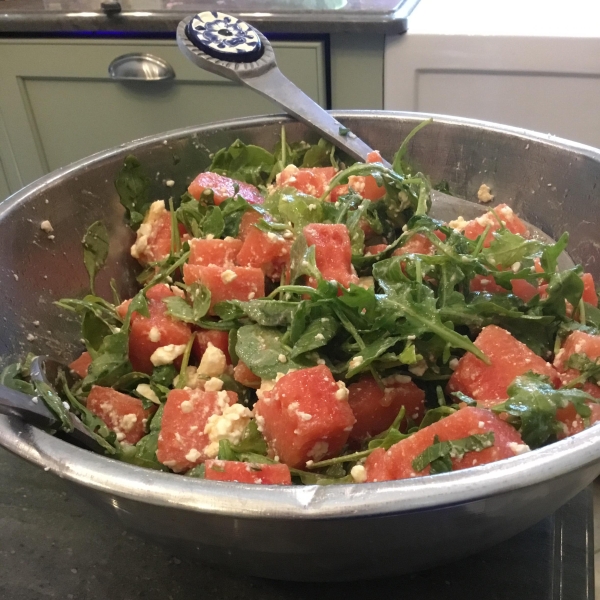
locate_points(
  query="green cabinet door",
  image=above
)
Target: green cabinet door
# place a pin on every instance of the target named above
(4, 189)
(59, 103)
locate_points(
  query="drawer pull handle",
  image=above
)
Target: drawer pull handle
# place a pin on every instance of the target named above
(140, 67)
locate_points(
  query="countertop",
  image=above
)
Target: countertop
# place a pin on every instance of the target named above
(53, 545)
(152, 17)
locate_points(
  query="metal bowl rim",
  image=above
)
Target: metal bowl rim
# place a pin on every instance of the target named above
(121, 480)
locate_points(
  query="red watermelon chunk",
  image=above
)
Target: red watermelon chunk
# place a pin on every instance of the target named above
(242, 374)
(243, 472)
(375, 409)
(509, 359)
(376, 249)
(182, 442)
(123, 414)
(147, 334)
(589, 290)
(305, 416)
(572, 423)
(214, 252)
(520, 288)
(266, 251)
(219, 339)
(312, 181)
(506, 215)
(153, 241)
(396, 463)
(80, 365)
(236, 283)
(417, 244)
(333, 252)
(365, 185)
(578, 342)
(223, 188)
(249, 219)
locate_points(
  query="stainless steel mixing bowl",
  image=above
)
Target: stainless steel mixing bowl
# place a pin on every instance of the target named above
(297, 533)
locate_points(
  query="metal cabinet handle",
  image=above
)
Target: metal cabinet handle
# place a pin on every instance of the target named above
(140, 67)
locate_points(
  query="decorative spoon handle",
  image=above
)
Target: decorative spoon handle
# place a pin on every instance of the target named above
(226, 46)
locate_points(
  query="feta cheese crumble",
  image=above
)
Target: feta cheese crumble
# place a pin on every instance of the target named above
(165, 355)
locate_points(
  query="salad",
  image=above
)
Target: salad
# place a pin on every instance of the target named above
(301, 319)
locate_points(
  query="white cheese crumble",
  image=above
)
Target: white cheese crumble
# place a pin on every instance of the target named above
(127, 422)
(319, 337)
(213, 362)
(187, 406)
(228, 276)
(319, 450)
(358, 473)
(154, 334)
(192, 380)
(165, 355)
(143, 389)
(46, 226)
(214, 384)
(228, 426)
(282, 358)
(518, 448)
(483, 194)
(453, 363)
(157, 209)
(193, 455)
(342, 391)
(355, 362)
(419, 368)
(458, 224)
(169, 183)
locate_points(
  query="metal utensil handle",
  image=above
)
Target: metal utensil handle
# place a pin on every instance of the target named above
(226, 46)
(28, 408)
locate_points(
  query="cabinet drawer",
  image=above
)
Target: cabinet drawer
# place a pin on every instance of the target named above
(61, 104)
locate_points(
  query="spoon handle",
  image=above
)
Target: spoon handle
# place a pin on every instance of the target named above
(30, 409)
(226, 46)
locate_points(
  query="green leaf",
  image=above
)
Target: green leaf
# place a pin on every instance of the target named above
(532, 406)
(133, 187)
(438, 455)
(12, 377)
(270, 313)
(551, 253)
(368, 355)
(508, 248)
(243, 162)
(178, 308)
(93, 331)
(263, 351)
(95, 250)
(318, 334)
(303, 260)
(398, 164)
(54, 403)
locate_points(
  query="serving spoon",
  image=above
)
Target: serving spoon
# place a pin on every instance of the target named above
(33, 409)
(226, 46)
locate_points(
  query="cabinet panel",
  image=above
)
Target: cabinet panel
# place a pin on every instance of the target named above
(4, 190)
(64, 106)
(551, 85)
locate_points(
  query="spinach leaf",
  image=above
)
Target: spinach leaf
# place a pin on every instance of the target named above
(95, 250)
(133, 187)
(243, 162)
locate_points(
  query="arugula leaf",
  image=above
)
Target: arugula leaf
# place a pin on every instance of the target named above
(509, 248)
(589, 370)
(55, 403)
(270, 313)
(14, 376)
(180, 309)
(566, 285)
(532, 406)
(398, 165)
(321, 154)
(551, 253)
(95, 250)
(262, 350)
(145, 449)
(133, 187)
(233, 210)
(303, 260)
(368, 355)
(438, 456)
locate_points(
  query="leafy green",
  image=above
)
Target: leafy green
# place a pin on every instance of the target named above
(133, 187)
(438, 457)
(180, 309)
(243, 162)
(15, 376)
(95, 250)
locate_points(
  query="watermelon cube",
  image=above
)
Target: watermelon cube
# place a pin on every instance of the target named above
(242, 374)
(507, 217)
(332, 251)
(397, 462)
(589, 290)
(520, 288)
(313, 181)
(571, 422)
(219, 339)
(305, 416)
(578, 342)
(148, 334)
(80, 365)
(236, 283)
(375, 409)
(223, 188)
(214, 252)
(244, 472)
(184, 440)
(267, 251)
(249, 219)
(509, 358)
(124, 414)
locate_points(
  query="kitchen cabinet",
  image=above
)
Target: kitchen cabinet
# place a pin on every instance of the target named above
(59, 103)
(4, 189)
(512, 62)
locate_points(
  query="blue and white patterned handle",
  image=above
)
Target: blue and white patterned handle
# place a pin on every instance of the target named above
(224, 37)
